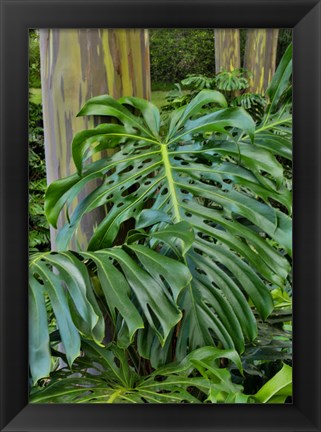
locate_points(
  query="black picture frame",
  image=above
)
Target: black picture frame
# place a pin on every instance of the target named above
(17, 16)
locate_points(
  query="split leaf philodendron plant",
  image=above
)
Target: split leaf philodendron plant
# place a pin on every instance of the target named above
(207, 217)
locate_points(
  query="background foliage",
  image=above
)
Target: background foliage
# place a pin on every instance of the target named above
(34, 60)
(38, 225)
(176, 53)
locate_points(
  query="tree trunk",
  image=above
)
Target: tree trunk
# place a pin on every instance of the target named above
(77, 64)
(260, 57)
(227, 49)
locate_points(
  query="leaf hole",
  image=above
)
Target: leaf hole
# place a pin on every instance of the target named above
(127, 169)
(160, 378)
(38, 278)
(200, 271)
(153, 316)
(164, 191)
(143, 399)
(198, 251)
(133, 188)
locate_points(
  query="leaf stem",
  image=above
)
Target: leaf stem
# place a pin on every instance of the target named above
(171, 187)
(114, 396)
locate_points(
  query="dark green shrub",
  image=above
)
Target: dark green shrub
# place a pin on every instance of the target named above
(38, 225)
(175, 53)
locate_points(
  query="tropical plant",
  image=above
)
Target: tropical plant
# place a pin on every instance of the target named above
(137, 292)
(198, 82)
(274, 132)
(104, 375)
(197, 235)
(254, 103)
(278, 388)
(232, 84)
(176, 98)
(185, 183)
(232, 80)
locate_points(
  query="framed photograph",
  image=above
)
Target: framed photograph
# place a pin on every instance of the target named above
(164, 301)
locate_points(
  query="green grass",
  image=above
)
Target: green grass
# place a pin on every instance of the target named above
(159, 98)
(35, 95)
(162, 86)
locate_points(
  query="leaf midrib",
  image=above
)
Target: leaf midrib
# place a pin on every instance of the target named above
(175, 204)
(171, 184)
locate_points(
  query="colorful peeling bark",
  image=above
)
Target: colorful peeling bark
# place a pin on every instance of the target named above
(77, 64)
(260, 57)
(227, 49)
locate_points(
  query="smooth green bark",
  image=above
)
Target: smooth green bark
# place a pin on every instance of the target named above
(260, 57)
(77, 64)
(227, 49)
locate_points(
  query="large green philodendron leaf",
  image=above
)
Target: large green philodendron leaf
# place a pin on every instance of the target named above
(195, 169)
(139, 284)
(274, 133)
(278, 115)
(277, 389)
(281, 81)
(103, 375)
(65, 280)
